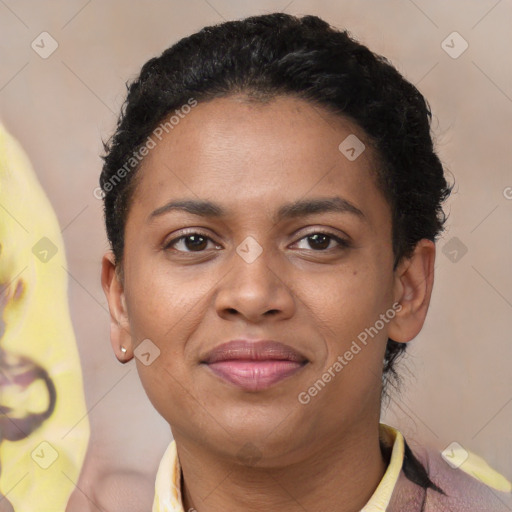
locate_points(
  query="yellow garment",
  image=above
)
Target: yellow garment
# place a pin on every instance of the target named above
(382, 495)
(478, 468)
(41, 462)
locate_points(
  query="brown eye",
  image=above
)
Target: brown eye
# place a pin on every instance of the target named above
(192, 242)
(320, 241)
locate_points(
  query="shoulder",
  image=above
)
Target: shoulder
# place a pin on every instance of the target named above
(464, 489)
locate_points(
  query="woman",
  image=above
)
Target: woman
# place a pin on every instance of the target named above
(272, 200)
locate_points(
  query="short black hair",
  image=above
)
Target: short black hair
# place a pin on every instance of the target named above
(279, 54)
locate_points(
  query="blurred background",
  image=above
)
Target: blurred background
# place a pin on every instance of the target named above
(63, 70)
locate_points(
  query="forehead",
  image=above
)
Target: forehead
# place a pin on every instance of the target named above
(249, 154)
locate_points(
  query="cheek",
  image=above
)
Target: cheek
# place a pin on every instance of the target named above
(345, 309)
(162, 304)
(168, 389)
(162, 309)
(347, 301)
(363, 296)
(166, 309)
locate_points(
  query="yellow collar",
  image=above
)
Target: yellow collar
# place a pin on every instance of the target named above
(168, 478)
(382, 495)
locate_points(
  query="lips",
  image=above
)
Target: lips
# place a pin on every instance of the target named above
(254, 365)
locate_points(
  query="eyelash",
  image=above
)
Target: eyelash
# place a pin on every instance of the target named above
(342, 243)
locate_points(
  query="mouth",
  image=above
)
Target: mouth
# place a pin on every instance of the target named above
(254, 365)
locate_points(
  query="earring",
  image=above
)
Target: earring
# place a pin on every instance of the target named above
(123, 350)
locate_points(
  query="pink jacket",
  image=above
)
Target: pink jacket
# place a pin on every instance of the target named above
(464, 493)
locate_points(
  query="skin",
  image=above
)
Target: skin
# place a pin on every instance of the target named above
(251, 158)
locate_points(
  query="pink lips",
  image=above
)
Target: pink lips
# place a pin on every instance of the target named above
(254, 365)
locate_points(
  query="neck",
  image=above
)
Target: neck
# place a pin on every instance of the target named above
(340, 475)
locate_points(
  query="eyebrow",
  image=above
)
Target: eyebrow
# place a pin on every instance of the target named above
(300, 208)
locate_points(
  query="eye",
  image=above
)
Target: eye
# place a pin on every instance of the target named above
(190, 242)
(198, 242)
(321, 241)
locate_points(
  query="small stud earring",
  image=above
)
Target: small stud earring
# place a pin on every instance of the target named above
(123, 350)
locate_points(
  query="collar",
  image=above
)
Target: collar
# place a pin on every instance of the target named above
(168, 478)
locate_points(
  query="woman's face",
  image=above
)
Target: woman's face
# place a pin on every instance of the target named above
(248, 273)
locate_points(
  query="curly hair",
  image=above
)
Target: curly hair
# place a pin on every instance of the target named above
(279, 54)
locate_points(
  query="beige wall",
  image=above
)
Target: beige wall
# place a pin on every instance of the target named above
(457, 379)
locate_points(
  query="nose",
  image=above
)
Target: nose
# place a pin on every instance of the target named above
(255, 290)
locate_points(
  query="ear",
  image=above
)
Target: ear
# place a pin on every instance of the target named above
(120, 336)
(414, 279)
